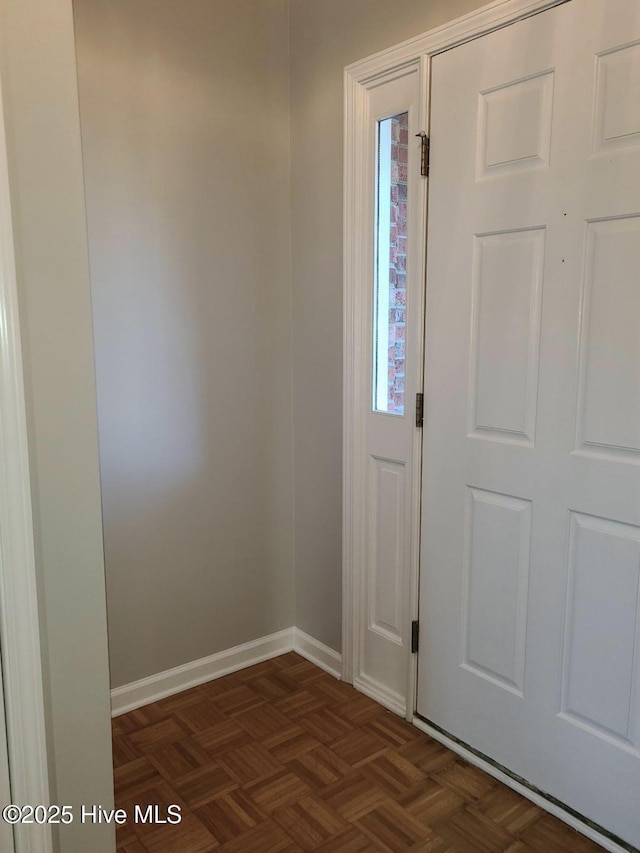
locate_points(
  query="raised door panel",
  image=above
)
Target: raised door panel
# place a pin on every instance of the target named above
(507, 294)
(387, 545)
(617, 125)
(609, 400)
(497, 545)
(514, 127)
(599, 688)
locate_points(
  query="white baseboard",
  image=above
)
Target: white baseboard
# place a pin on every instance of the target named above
(180, 678)
(316, 652)
(542, 802)
(381, 694)
(147, 690)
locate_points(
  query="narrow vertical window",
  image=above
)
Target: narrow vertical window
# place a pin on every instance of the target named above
(390, 265)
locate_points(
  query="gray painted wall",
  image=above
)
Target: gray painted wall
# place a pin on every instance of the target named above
(185, 124)
(217, 404)
(41, 107)
(327, 35)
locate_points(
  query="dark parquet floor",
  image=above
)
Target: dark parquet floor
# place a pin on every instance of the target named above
(283, 758)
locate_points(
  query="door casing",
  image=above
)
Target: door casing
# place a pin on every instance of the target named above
(19, 619)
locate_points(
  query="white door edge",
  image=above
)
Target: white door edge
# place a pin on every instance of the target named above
(542, 802)
(19, 622)
(358, 79)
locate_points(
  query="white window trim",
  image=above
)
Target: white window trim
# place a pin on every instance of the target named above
(383, 190)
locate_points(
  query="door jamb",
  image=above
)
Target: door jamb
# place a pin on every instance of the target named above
(358, 77)
(19, 619)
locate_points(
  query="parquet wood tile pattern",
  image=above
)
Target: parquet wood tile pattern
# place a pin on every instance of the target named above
(282, 758)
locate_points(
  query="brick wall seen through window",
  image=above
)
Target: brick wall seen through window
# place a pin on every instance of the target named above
(398, 262)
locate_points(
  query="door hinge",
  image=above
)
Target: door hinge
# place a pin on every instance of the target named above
(419, 409)
(415, 635)
(425, 153)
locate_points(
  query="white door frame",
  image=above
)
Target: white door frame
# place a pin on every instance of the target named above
(19, 622)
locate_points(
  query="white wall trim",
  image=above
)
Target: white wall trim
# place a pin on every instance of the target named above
(523, 790)
(180, 678)
(493, 16)
(381, 694)
(19, 620)
(316, 652)
(358, 78)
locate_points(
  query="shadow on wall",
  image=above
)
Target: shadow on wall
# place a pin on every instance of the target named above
(191, 301)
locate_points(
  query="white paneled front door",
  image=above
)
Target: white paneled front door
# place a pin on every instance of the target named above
(529, 599)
